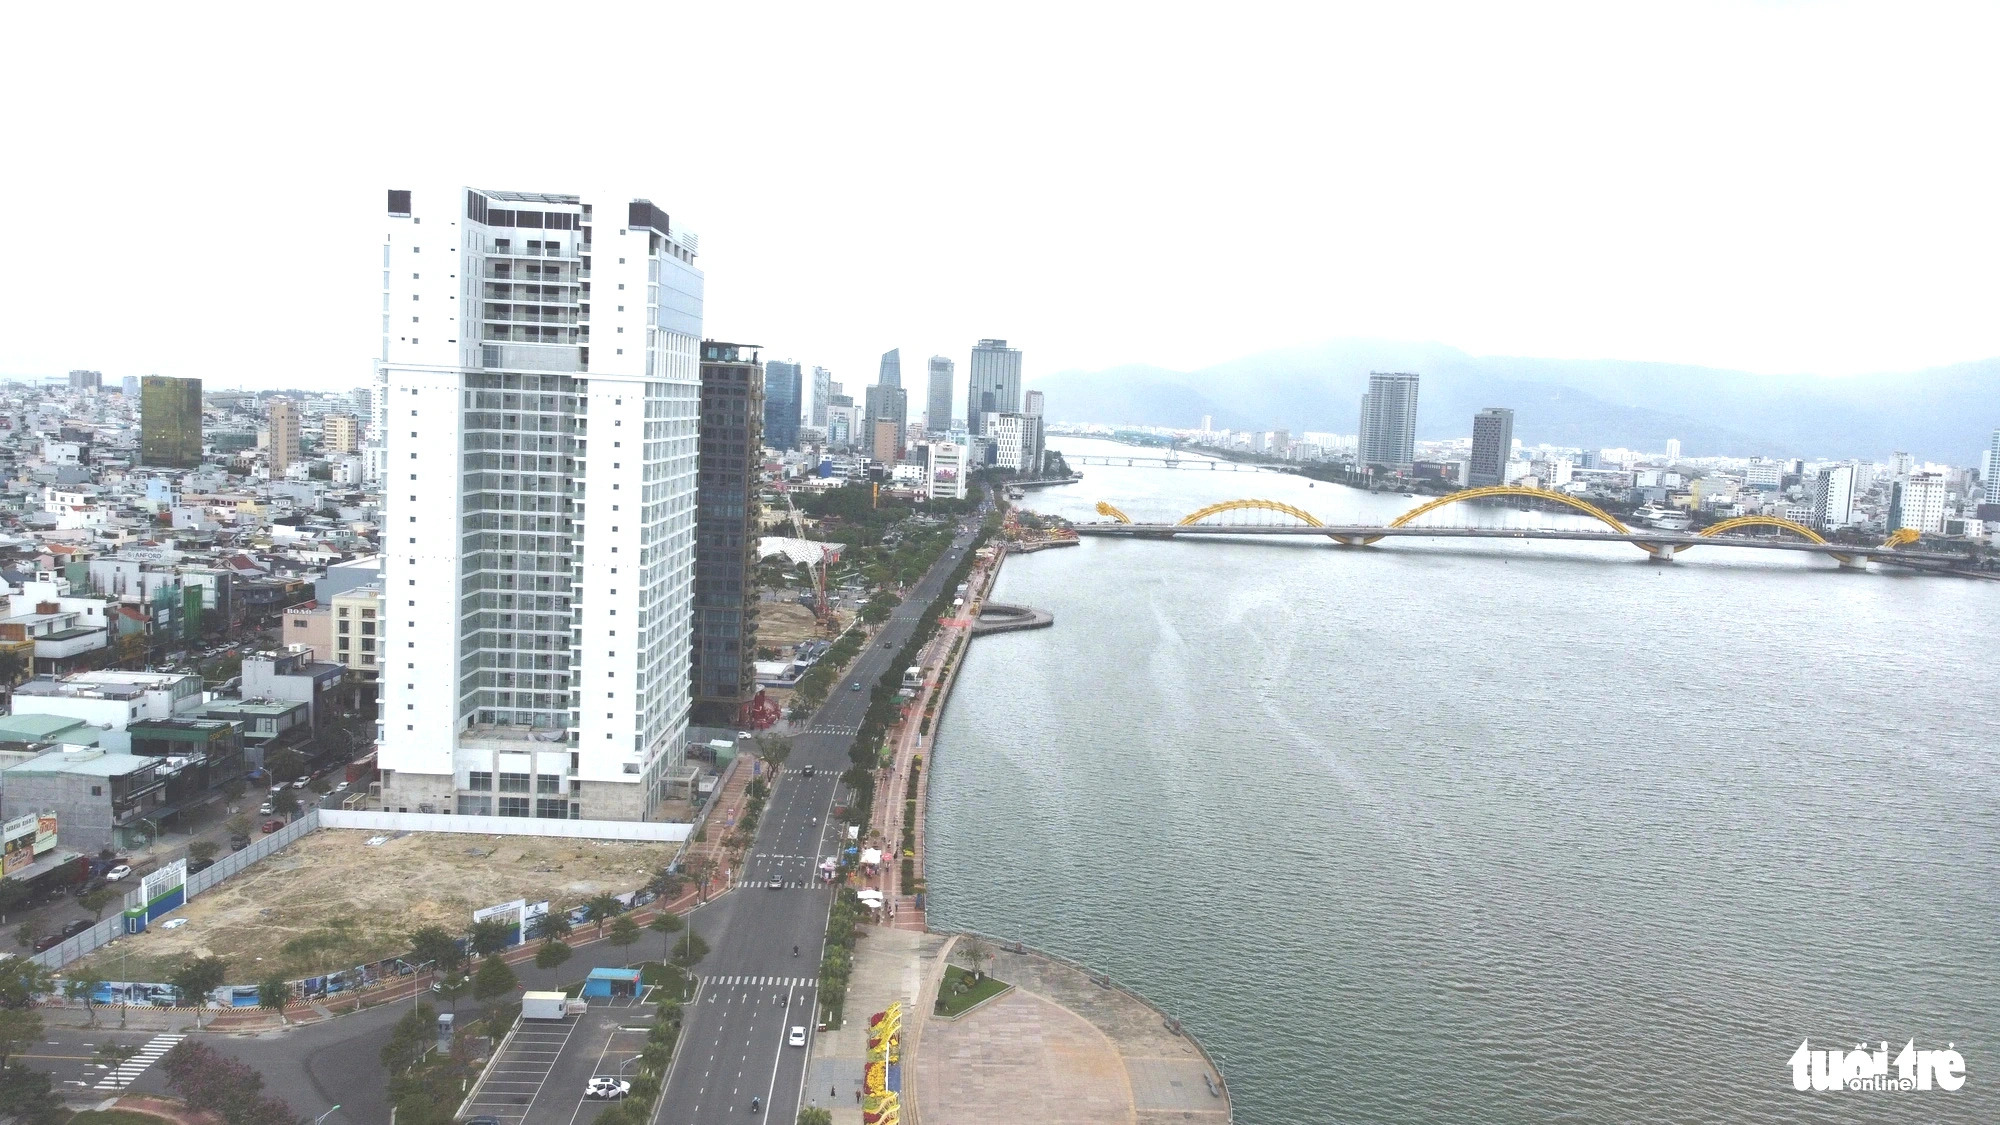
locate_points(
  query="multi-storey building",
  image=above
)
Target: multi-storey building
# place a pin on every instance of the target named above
(86, 380)
(993, 383)
(1492, 446)
(886, 404)
(733, 413)
(1017, 440)
(937, 406)
(944, 470)
(1031, 403)
(1833, 497)
(170, 422)
(782, 405)
(284, 435)
(1918, 502)
(1989, 473)
(540, 446)
(1389, 420)
(890, 373)
(340, 433)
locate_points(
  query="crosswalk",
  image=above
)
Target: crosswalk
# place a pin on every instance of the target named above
(786, 884)
(128, 1071)
(856, 729)
(763, 982)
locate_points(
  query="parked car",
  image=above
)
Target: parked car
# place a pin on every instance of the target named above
(265, 809)
(273, 824)
(797, 1038)
(341, 788)
(200, 865)
(117, 873)
(604, 1087)
(76, 927)
(238, 843)
(301, 783)
(42, 945)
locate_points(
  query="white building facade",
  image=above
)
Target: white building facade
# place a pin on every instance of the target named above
(1833, 497)
(542, 392)
(1017, 441)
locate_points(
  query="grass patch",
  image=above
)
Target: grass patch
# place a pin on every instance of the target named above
(959, 991)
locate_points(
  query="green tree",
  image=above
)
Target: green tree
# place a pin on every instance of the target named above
(451, 987)
(111, 1054)
(273, 993)
(232, 791)
(551, 926)
(603, 907)
(691, 949)
(18, 1028)
(815, 1115)
(491, 936)
(666, 924)
(28, 933)
(410, 1038)
(28, 1097)
(551, 954)
(84, 987)
(201, 851)
(196, 979)
(494, 978)
(775, 749)
(285, 802)
(438, 946)
(238, 825)
(13, 895)
(285, 764)
(21, 980)
(624, 931)
(97, 900)
(975, 951)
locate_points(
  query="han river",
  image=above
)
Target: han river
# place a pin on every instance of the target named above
(1489, 830)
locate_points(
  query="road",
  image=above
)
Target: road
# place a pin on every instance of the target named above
(759, 980)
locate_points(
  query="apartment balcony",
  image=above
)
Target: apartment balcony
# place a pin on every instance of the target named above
(528, 314)
(519, 251)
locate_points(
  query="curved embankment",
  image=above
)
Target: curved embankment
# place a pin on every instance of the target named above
(999, 617)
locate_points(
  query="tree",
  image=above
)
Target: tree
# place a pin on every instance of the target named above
(84, 987)
(21, 980)
(411, 1037)
(691, 949)
(551, 926)
(494, 978)
(238, 825)
(775, 749)
(18, 1028)
(201, 851)
(284, 802)
(975, 951)
(28, 1096)
(97, 900)
(436, 945)
(624, 931)
(273, 993)
(285, 764)
(551, 954)
(13, 895)
(28, 932)
(602, 906)
(197, 978)
(451, 987)
(232, 791)
(111, 1054)
(491, 935)
(815, 1115)
(207, 1080)
(666, 924)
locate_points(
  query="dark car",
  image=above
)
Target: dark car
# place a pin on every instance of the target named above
(238, 843)
(47, 943)
(77, 927)
(200, 865)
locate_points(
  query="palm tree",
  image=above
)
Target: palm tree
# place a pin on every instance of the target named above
(85, 988)
(975, 951)
(551, 925)
(666, 925)
(602, 906)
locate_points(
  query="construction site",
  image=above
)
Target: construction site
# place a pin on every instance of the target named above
(340, 898)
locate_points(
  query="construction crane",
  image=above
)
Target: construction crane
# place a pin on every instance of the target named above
(829, 554)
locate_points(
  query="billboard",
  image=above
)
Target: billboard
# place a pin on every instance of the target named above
(45, 833)
(520, 912)
(163, 890)
(17, 843)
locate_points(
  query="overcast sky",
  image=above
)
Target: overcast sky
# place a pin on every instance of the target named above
(1778, 187)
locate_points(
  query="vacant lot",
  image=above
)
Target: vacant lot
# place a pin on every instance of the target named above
(784, 624)
(332, 902)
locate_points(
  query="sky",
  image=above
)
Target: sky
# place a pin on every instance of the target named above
(1782, 188)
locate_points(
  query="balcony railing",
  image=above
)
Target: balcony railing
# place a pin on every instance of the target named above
(570, 253)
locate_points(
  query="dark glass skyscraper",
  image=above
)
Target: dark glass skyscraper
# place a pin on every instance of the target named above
(1492, 446)
(725, 542)
(783, 387)
(169, 422)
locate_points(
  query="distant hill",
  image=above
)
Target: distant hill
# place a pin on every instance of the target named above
(1943, 414)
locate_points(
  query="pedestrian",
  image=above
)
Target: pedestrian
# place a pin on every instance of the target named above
(857, 1097)
(832, 1091)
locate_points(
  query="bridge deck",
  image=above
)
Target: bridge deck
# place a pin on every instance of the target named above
(1644, 538)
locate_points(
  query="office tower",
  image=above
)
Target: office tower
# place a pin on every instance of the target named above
(885, 441)
(170, 422)
(130, 387)
(1207, 423)
(1989, 473)
(86, 380)
(782, 405)
(1768, 476)
(1389, 420)
(1017, 440)
(822, 395)
(891, 371)
(284, 429)
(1900, 464)
(886, 404)
(1281, 440)
(937, 409)
(1032, 403)
(993, 385)
(733, 414)
(944, 470)
(1833, 497)
(1492, 446)
(340, 433)
(1918, 502)
(539, 487)
(1673, 450)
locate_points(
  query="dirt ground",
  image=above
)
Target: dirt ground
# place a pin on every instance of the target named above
(783, 624)
(353, 903)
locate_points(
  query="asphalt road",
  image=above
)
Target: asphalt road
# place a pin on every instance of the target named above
(754, 987)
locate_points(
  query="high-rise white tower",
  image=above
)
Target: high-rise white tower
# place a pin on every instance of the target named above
(542, 392)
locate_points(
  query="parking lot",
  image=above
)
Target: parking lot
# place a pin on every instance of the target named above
(541, 1077)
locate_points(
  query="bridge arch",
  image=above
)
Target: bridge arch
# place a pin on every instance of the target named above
(1724, 527)
(1506, 490)
(1104, 508)
(1280, 507)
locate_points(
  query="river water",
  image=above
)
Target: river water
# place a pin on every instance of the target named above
(1444, 831)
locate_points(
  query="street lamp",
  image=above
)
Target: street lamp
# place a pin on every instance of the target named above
(324, 1116)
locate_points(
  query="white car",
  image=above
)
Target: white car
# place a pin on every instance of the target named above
(603, 1087)
(117, 873)
(265, 809)
(341, 788)
(797, 1038)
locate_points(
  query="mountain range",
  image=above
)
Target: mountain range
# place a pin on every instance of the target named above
(1945, 414)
